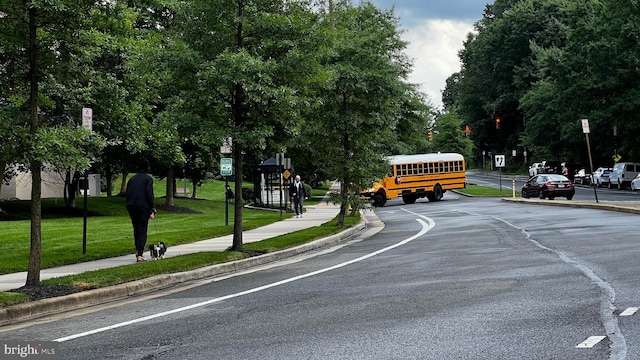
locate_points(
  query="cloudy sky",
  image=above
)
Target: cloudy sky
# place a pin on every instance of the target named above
(435, 30)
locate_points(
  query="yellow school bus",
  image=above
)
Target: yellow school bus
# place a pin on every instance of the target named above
(418, 176)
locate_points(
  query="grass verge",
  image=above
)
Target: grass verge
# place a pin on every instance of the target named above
(477, 190)
(131, 272)
(10, 298)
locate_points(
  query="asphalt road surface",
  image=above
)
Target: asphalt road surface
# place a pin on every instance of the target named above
(463, 278)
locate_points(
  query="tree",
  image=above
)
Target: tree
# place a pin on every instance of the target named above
(450, 136)
(498, 68)
(247, 59)
(43, 38)
(359, 92)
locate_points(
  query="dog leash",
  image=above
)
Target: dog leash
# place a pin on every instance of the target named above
(155, 226)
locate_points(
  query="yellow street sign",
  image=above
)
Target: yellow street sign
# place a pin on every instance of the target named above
(286, 174)
(616, 157)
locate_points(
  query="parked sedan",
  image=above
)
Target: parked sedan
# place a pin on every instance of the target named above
(548, 186)
(601, 177)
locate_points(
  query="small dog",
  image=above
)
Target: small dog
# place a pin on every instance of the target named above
(157, 251)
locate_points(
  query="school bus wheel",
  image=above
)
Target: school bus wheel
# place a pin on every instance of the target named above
(379, 199)
(409, 198)
(436, 195)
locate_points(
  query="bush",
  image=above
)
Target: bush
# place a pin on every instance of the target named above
(247, 194)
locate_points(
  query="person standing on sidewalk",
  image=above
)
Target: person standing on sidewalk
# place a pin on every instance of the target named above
(140, 205)
(298, 193)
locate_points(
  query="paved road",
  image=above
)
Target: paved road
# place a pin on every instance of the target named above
(464, 278)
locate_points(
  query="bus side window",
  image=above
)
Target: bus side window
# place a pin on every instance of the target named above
(390, 174)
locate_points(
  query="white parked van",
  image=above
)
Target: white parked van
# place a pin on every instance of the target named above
(622, 174)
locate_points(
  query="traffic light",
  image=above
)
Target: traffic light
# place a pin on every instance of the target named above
(497, 123)
(467, 130)
(430, 135)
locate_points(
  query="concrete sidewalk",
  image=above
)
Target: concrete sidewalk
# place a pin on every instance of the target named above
(315, 215)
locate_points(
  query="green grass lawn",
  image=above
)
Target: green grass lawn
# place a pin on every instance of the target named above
(477, 190)
(109, 231)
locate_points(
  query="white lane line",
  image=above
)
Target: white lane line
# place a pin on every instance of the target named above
(629, 311)
(425, 228)
(590, 342)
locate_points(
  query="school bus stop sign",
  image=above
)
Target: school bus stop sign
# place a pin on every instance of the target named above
(286, 174)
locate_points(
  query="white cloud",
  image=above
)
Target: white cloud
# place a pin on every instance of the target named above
(433, 46)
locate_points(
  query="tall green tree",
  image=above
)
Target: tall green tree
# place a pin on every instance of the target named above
(498, 68)
(43, 42)
(593, 75)
(360, 91)
(248, 57)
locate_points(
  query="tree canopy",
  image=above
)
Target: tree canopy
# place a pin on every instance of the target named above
(543, 65)
(171, 80)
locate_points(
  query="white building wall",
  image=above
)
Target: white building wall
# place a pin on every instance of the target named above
(20, 186)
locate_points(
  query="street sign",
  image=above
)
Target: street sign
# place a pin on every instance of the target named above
(500, 161)
(87, 118)
(286, 174)
(226, 168)
(585, 126)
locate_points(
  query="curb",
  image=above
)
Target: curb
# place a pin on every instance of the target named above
(577, 204)
(97, 296)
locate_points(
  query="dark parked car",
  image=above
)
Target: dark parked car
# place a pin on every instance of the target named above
(548, 186)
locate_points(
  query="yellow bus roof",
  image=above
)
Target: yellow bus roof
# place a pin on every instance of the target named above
(421, 158)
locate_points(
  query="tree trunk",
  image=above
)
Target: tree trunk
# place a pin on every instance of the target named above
(71, 182)
(33, 272)
(170, 189)
(123, 186)
(344, 193)
(193, 193)
(237, 213)
(109, 175)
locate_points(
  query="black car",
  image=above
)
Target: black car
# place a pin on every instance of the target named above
(548, 186)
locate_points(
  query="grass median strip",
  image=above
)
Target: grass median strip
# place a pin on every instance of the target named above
(477, 190)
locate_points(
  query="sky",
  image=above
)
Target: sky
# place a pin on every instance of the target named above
(435, 30)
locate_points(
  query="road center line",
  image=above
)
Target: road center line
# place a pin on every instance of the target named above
(590, 342)
(426, 226)
(629, 311)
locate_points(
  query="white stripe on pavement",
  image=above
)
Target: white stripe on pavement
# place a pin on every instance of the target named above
(425, 228)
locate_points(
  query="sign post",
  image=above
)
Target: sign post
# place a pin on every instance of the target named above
(500, 163)
(586, 131)
(226, 169)
(87, 122)
(280, 163)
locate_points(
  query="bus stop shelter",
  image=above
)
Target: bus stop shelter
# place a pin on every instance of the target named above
(270, 184)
